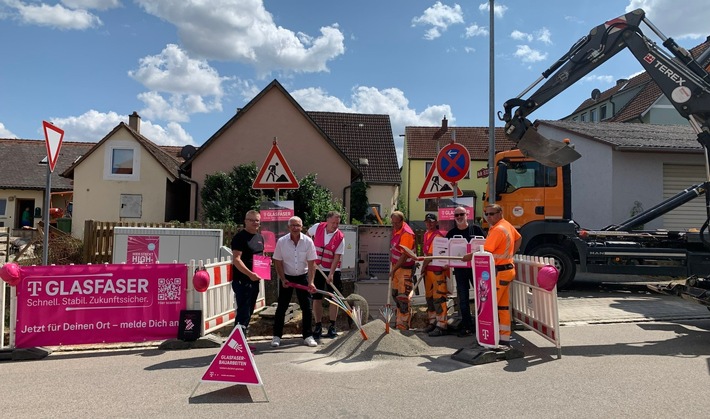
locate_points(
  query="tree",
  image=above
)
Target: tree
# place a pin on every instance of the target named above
(312, 201)
(226, 197)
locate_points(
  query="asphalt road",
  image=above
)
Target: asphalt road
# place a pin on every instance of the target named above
(616, 367)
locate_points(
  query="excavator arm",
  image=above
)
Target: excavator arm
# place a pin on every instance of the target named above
(681, 79)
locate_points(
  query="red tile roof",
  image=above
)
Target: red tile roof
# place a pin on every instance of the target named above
(420, 145)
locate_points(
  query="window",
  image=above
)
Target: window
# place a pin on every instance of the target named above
(370, 217)
(431, 205)
(602, 113)
(593, 115)
(122, 161)
(530, 175)
(583, 117)
(3, 206)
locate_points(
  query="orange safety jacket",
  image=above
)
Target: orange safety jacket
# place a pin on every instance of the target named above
(326, 252)
(395, 253)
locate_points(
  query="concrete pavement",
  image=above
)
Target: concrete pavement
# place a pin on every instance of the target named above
(618, 360)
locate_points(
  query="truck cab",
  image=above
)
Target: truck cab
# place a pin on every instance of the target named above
(536, 199)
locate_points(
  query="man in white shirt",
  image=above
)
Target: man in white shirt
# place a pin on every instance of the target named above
(294, 259)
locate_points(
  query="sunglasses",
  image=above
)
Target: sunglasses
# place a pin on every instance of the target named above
(488, 214)
(460, 215)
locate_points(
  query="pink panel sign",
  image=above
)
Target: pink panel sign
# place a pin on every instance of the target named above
(80, 304)
(486, 304)
(143, 249)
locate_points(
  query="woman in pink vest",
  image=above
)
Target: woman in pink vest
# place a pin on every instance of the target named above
(329, 241)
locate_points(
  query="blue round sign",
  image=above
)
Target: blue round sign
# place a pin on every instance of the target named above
(453, 162)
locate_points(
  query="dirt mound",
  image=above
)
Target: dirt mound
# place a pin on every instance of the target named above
(379, 346)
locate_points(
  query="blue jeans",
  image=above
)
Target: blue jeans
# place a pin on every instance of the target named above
(245, 294)
(464, 281)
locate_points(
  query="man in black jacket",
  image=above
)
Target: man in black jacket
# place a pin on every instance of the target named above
(464, 276)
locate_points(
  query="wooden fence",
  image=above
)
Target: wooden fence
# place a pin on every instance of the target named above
(98, 236)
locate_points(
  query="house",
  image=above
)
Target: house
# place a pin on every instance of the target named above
(126, 177)
(420, 150)
(338, 147)
(23, 178)
(638, 99)
(626, 168)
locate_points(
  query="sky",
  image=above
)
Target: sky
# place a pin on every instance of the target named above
(186, 66)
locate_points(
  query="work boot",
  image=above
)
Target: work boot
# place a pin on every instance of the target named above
(318, 331)
(331, 332)
(430, 328)
(437, 332)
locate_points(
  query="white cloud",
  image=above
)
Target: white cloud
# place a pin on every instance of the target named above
(529, 55)
(544, 35)
(439, 17)
(242, 30)
(6, 133)
(521, 36)
(371, 100)
(498, 10)
(56, 16)
(93, 126)
(186, 80)
(475, 30)
(92, 4)
(598, 79)
(688, 19)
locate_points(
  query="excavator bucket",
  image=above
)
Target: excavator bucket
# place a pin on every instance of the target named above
(548, 152)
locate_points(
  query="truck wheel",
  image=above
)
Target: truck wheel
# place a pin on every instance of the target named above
(562, 261)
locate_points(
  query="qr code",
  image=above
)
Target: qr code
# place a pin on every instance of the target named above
(168, 289)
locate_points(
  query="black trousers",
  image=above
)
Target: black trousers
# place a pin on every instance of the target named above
(304, 300)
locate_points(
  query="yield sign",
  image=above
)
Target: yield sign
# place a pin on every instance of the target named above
(53, 138)
(436, 187)
(453, 161)
(275, 173)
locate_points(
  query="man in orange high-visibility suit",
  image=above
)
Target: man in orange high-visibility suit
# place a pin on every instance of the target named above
(402, 267)
(503, 241)
(434, 281)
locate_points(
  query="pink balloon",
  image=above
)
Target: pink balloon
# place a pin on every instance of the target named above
(10, 273)
(201, 280)
(547, 277)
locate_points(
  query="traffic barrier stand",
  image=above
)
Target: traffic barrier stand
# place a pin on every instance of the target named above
(533, 306)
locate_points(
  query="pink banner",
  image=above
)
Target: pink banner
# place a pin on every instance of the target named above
(486, 305)
(274, 222)
(80, 304)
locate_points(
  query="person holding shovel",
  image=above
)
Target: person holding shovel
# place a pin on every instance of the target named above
(330, 246)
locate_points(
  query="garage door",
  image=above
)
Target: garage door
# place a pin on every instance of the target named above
(675, 179)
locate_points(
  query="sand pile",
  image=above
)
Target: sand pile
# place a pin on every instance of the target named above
(379, 345)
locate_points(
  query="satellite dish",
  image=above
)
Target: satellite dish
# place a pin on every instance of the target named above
(187, 152)
(596, 93)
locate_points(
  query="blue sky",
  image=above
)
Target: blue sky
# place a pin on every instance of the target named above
(186, 66)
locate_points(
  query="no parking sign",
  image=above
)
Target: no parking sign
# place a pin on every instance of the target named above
(453, 162)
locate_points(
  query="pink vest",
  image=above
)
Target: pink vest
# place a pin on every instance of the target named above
(326, 252)
(395, 253)
(428, 245)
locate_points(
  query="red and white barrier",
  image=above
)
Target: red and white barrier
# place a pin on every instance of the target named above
(217, 303)
(531, 305)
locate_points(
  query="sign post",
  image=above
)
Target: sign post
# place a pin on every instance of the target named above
(53, 137)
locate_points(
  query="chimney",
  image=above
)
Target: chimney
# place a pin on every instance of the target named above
(134, 121)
